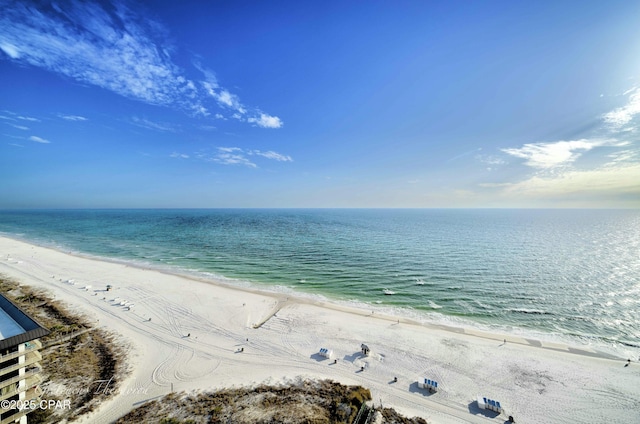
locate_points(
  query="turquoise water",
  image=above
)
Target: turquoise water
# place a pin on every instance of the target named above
(567, 274)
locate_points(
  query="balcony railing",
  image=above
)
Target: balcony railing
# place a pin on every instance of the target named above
(24, 376)
(29, 346)
(29, 395)
(14, 389)
(30, 358)
(13, 418)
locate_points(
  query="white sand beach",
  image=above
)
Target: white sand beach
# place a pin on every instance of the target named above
(187, 334)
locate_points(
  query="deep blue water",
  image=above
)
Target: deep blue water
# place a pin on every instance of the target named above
(553, 273)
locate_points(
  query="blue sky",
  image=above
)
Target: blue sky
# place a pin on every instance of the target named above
(319, 104)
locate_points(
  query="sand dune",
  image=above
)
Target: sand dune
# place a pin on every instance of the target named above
(187, 335)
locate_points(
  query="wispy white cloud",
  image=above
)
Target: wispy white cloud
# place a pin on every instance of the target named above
(622, 156)
(9, 49)
(113, 47)
(73, 117)
(619, 118)
(613, 175)
(223, 97)
(554, 154)
(39, 139)
(28, 118)
(461, 155)
(238, 156)
(229, 149)
(560, 153)
(232, 156)
(179, 155)
(272, 155)
(491, 160)
(604, 184)
(20, 127)
(151, 125)
(12, 116)
(265, 121)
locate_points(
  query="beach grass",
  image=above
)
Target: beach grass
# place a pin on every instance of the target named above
(76, 355)
(320, 402)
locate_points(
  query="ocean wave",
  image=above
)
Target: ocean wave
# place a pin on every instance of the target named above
(432, 264)
(433, 305)
(529, 311)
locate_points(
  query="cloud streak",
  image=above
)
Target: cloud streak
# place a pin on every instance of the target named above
(179, 155)
(619, 118)
(272, 155)
(73, 118)
(558, 182)
(115, 48)
(576, 187)
(554, 154)
(39, 139)
(20, 127)
(617, 123)
(151, 125)
(112, 49)
(239, 156)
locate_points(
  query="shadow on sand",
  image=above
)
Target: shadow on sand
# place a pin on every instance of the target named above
(319, 357)
(147, 400)
(354, 356)
(414, 388)
(475, 410)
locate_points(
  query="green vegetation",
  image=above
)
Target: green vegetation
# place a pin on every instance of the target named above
(314, 402)
(75, 356)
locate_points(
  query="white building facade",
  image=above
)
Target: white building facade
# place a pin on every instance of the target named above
(19, 362)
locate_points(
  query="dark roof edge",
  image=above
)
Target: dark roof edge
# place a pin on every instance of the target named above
(23, 338)
(33, 329)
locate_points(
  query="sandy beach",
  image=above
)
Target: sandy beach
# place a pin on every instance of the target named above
(185, 334)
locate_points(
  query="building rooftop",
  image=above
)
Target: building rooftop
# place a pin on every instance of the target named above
(16, 326)
(8, 327)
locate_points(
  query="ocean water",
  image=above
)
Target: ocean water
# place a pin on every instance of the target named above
(562, 275)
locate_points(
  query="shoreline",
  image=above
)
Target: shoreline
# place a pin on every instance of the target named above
(526, 336)
(186, 333)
